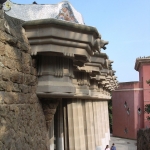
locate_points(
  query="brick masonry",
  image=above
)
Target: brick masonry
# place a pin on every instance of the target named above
(22, 120)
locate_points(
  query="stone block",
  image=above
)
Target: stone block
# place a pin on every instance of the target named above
(14, 108)
(33, 98)
(13, 147)
(33, 71)
(33, 81)
(4, 109)
(23, 98)
(16, 88)
(25, 39)
(6, 139)
(8, 63)
(13, 52)
(2, 61)
(19, 144)
(26, 58)
(1, 14)
(6, 74)
(16, 77)
(24, 88)
(33, 89)
(18, 65)
(11, 98)
(9, 86)
(30, 80)
(2, 48)
(1, 70)
(29, 89)
(7, 38)
(2, 85)
(2, 97)
(26, 69)
(26, 147)
(1, 145)
(2, 22)
(23, 46)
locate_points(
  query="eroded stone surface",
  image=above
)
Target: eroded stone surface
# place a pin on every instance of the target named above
(22, 121)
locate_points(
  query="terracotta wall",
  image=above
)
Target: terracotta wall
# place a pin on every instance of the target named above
(22, 122)
(124, 98)
(143, 77)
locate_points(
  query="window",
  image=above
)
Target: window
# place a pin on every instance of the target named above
(125, 104)
(126, 130)
(139, 111)
(128, 110)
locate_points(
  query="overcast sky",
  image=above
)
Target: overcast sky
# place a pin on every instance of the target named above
(124, 23)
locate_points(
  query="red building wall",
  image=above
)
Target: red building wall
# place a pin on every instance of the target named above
(136, 95)
(144, 75)
(127, 96)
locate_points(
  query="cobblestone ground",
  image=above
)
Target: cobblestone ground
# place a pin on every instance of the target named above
(123, 144)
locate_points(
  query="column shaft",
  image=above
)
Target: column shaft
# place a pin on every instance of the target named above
(76, 125)
(59, 127)
(89, 126)
(51, 135)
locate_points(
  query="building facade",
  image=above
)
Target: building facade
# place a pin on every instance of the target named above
(55, 81)
(129, 100)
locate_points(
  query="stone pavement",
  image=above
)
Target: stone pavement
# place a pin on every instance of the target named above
(123, 144)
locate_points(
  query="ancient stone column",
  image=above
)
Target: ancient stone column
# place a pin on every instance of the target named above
(107, 119)
(102, 124)
(105, 123)
(97, 127)
(76, 125)
(89, 125)
(59, 135)
(51, 135)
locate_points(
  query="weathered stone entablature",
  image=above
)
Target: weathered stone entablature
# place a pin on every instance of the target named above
(100, 73)
(56, 32)
(68, 57)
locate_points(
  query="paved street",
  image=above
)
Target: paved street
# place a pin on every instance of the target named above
(123, 144)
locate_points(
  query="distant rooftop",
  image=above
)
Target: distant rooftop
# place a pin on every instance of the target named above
(141, 60)
(28, 12)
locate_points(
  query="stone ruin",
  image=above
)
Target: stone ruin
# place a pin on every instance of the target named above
(54, 80)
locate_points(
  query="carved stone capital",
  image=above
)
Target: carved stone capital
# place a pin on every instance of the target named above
(49, 108)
